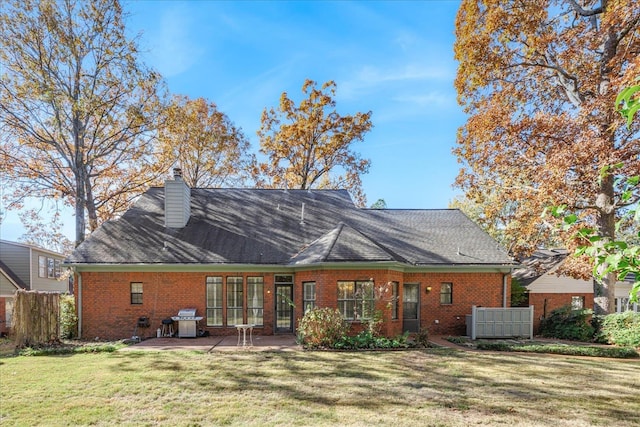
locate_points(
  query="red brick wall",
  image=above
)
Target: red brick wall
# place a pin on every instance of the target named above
(107, 312)
(543, 304)
(480, 289)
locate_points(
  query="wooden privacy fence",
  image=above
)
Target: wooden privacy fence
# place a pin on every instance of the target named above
(510, 322)
(36, 317)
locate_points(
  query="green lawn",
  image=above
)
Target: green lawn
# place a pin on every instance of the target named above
(439, 387)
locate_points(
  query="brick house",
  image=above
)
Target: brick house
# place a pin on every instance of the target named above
(262, 257)
(548, 290)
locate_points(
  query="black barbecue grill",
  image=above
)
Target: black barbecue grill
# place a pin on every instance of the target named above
(187, 320)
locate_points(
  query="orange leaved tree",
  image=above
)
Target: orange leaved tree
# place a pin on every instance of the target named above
(537, 79)
(204, 142)
(309, 145)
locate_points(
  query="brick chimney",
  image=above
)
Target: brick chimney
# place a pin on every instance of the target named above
(177, 201)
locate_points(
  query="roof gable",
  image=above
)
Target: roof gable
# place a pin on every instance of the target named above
(11, 276)
(541, 262)
(343, 244)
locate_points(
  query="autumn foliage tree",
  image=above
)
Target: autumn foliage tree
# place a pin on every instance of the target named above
(76, 108)
(538, 80)
(309, 145)
(204, 142)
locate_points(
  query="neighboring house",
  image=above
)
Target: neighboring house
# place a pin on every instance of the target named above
(548, 290)
(28, 267)
(622, 291)
(263, 257)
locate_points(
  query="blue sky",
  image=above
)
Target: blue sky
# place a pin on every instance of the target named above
(393, 58)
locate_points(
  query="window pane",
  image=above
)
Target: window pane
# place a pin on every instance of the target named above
(345, 299)
(51, 268)
(577, 303)
(345, 290)
(355, 299)
(284, 278)
(235, 300)
(309, 296)
(346, 308)
(255, 301)
(446, 293)
(136, 293)
(214, 301)
(364, 300)
(234, 316)
(42, 266)
(214, 317)
(57, 268)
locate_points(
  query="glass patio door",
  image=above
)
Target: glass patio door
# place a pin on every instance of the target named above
(284, 308)
(411, 307)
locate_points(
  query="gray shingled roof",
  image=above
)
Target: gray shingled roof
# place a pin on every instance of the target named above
(257, 226)
(540, 262)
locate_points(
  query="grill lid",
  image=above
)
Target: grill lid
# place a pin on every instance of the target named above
(187, 312)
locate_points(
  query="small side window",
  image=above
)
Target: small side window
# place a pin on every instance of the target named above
(577, 303)
(42, 266)
(136, 293)
(309, 296)
(446, 293)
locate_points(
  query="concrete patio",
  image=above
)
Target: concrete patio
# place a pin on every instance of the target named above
(230, 343)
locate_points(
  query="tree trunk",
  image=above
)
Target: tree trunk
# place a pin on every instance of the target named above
(36, 318)
(604, 291)
(80, 205)
(90, 205)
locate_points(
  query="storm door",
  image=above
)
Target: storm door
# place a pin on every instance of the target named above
(411, 307)
(284, 303)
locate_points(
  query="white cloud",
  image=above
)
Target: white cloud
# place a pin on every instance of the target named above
(428, 100)
(175, 46)
(371, 79)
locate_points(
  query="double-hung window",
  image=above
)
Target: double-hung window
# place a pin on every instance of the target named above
(42, 266)
(308, 296)
(255, 301)
(446, 293)
(214, 301)
(136, 293)
(355, 299)
(51, 268)
(235, 301)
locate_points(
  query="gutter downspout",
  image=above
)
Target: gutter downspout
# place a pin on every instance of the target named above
(504, 289)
